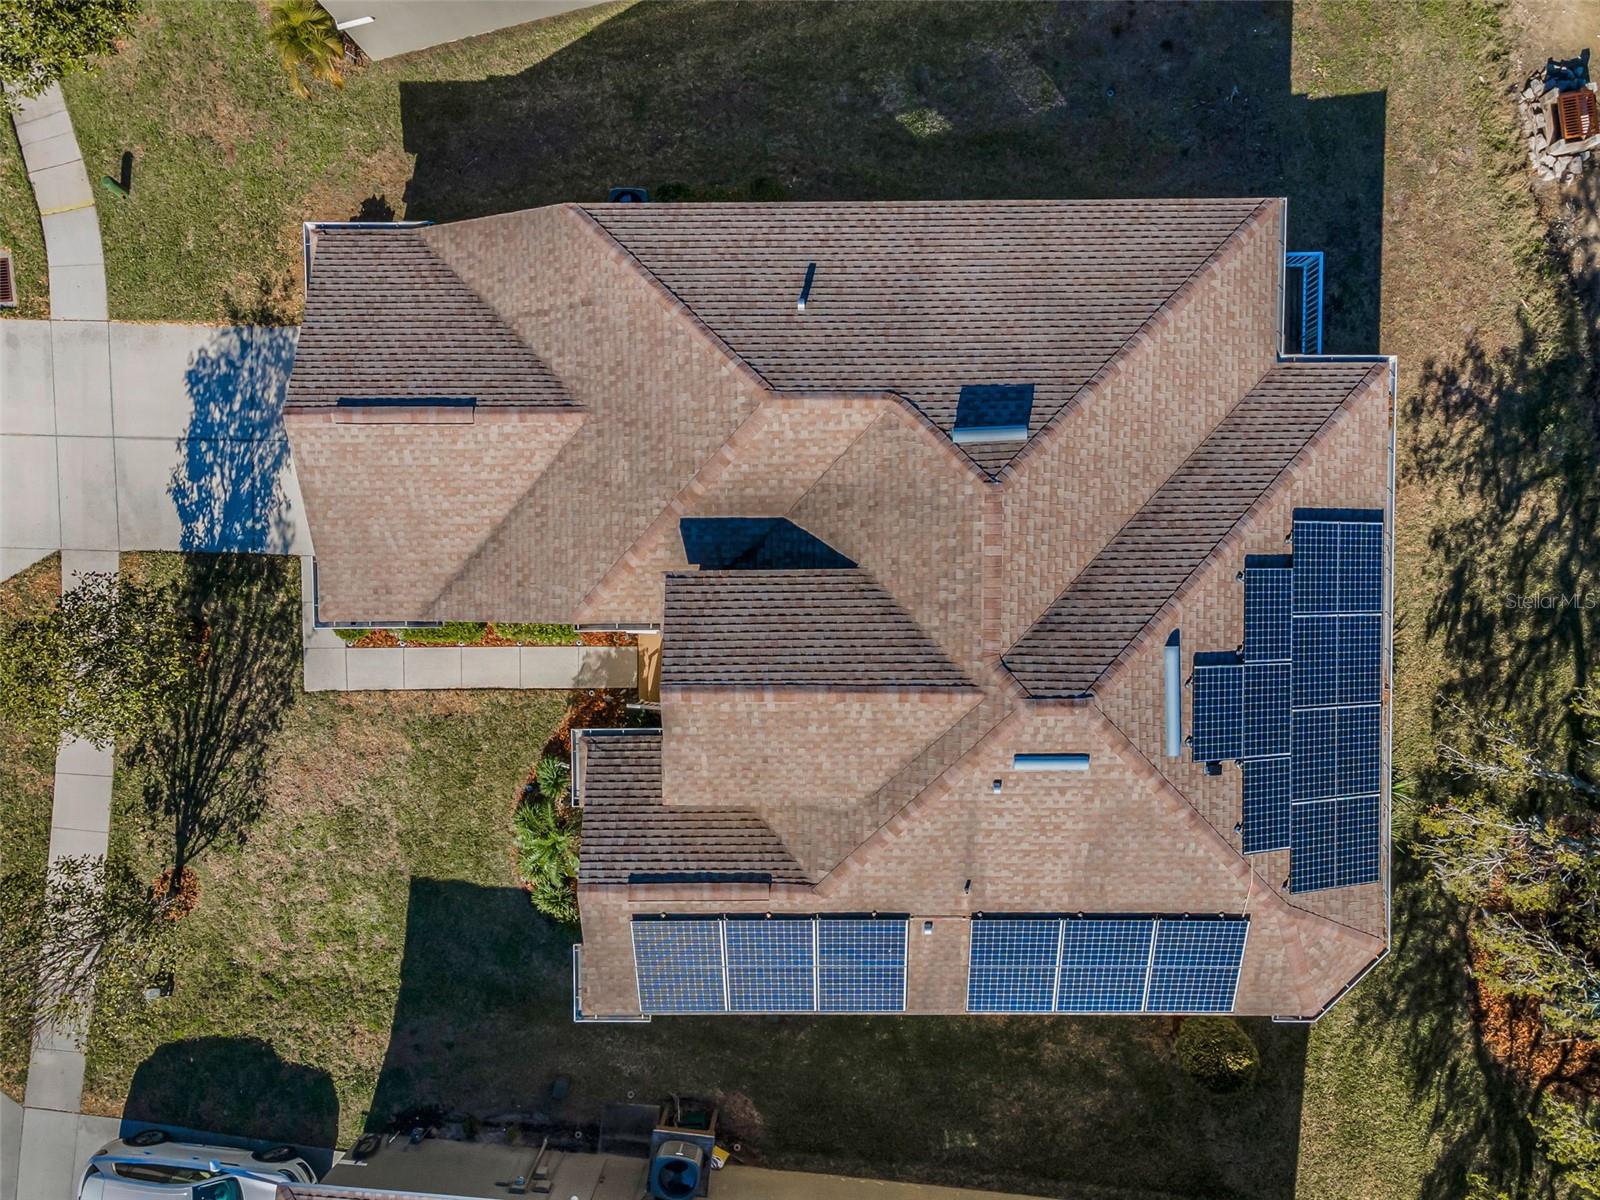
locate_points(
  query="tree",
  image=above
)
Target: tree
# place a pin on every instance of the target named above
(94, 935)
(41, 41)
(99, 665)
(303, 34)
(203, 759)
(1570, 1141)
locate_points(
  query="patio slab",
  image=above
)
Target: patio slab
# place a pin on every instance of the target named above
(325, 669)
(27, 378)
(491, 667)
(381, 669)
(87, 468)
(30, 502)
(72, 239)
(82, 378)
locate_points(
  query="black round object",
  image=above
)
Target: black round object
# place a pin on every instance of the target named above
(149, 1137)
(366, 1145)
(274, 1154)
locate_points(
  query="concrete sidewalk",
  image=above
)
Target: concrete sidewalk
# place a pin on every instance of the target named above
(66, 207)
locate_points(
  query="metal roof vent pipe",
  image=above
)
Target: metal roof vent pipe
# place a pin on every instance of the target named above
(1174, 695)
(805, 288)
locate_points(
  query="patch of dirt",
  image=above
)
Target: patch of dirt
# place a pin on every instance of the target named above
(598, 638)
(592, 709)
(1515, 1036)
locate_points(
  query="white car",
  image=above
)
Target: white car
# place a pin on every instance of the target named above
(151, 1166)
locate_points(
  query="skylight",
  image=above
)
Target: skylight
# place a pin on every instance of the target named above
(993, 413)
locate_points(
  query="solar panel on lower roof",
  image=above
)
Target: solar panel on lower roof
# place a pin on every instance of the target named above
(1012, 964)
(861, 964)
(1104, 963)
(1266, 710)
(1218, 708)
(1360, 670)
(1266, 805)
(1313, 850)
(771, 964)
(1361, 565)
(1316, 661)
(1315, 741)
(1195, 967)
(1316, 566)
(1358, 752)
(1356, 822)
(680, 962)
(1268, 597)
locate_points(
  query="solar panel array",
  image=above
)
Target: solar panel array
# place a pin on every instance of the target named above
(1306, 726)
(779, 964)
(1084, 964)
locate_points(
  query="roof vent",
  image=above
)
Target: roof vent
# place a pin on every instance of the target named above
(993, 413)
(8, 287)
(805, 288)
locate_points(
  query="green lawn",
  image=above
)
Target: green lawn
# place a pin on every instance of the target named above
(20, 232)
(371, 928)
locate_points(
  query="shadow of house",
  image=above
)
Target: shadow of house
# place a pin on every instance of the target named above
(237, 1087)
(885, 101)
(228, 489)
(483, 1025)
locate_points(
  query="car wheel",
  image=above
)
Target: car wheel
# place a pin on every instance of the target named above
(274, 1154)
(149, 1137)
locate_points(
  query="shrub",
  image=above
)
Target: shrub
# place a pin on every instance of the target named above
(554, 778)
(546, 835)
(303, 34)
(1217, 1053)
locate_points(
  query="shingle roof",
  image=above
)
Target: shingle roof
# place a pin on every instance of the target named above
(922, 297)
(1124, 587)
(772, 628)
(627, 831)
(387, 319)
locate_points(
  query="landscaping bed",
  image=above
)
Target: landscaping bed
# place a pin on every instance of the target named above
(20, 231)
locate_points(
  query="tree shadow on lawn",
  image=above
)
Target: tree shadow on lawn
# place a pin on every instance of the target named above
(1421, 996)
(886, 101)
(237, 1087)
(483, 1025)
(1517, 553)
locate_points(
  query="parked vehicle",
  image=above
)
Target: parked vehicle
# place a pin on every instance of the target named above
(151, 1166)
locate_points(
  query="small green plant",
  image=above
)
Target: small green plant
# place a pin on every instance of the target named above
(546, 835)
(923, 123)
(303, 34)
(554, 778)
(1217, 1053)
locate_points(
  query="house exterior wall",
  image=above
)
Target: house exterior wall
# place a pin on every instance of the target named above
(1080, 481)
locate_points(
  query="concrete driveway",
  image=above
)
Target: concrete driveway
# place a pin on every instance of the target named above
(178, 445)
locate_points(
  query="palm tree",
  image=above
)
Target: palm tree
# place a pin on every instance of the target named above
(303, 34)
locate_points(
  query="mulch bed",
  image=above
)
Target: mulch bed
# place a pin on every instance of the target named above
(375, 638)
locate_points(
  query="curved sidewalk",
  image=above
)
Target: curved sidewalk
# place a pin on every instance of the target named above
(66, 207)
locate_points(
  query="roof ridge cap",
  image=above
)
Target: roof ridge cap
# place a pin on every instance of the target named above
(1235, 533)
(668, 299)
(1180, 298)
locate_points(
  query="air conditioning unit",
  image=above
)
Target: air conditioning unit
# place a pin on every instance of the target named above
(677, 1171)
(627, 195)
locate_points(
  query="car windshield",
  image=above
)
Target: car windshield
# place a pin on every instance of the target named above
(224, 1187)
(149, 1172)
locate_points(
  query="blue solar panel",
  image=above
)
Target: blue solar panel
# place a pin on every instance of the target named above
(1357, 822)
(1316, 567)
(1196, 964)
(1266, 805)
(1360, 659)
(1104, 963)
(1361, 567)
(680, 965)
(861, 964)
(1266, 710)
(1316, 661)
(1313, 851)
(1218, 710)
(1358, 753)
(1012, 967)
(1315, 772)
(771, 964)
(1268, 597)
